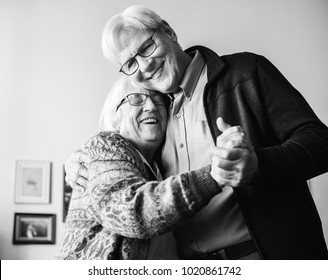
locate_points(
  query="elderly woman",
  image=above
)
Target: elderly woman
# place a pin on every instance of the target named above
(125, 206)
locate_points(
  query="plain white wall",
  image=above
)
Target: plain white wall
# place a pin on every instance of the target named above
(54, 80)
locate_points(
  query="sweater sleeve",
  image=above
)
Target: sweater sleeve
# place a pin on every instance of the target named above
(130, 204)
(303, 152)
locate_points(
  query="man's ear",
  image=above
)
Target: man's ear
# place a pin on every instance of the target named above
(169, 31)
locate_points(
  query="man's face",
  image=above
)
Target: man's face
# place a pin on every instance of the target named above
(163, 69)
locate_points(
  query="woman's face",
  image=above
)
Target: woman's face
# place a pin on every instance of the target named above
(144, 125)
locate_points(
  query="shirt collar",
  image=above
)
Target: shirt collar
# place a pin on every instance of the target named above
(192, 74)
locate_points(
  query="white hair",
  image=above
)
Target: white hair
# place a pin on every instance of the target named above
(136, 18)
(110, 118)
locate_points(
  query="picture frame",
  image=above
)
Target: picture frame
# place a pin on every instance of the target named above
(34, 228)
(33, 181)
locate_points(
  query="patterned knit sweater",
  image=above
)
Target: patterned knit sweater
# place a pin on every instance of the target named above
(123, 206)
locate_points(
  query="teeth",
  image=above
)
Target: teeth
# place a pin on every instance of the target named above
(150, 120)
(157, 73)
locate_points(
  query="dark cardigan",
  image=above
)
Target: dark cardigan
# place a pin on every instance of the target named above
(291, 144)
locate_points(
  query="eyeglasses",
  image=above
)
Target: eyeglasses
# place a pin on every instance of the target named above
(139, 99)
(145, 50)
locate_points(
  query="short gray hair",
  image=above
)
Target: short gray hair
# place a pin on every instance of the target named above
(136, 18)
(110, 118)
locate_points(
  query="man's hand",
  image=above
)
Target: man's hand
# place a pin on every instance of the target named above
(234, 161)
(76, 172)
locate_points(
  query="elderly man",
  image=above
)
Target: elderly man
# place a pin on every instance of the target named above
(272, 216)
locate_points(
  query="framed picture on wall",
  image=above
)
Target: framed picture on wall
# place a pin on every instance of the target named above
(33, 228)
(32, 181)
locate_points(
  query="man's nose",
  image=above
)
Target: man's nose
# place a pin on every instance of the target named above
(145, 63)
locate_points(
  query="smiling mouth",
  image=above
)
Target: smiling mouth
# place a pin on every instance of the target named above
(157, 73)
(149, 121)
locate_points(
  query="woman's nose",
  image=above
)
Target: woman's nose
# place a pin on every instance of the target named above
(149, 104)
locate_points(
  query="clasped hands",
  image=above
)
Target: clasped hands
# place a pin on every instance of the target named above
(234, 161)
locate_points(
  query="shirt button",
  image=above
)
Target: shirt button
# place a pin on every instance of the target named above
(178, 115)
(181, 145)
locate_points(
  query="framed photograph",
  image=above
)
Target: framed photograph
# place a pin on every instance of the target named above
(32, 181)
(34, 228)
(66, 197)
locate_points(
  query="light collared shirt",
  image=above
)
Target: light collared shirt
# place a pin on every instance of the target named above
(187, 147)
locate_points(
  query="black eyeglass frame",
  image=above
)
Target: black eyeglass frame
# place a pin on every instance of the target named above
(127, 99)
(138, 53)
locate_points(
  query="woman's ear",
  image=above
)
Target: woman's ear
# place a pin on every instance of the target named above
(169, 31)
